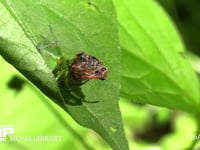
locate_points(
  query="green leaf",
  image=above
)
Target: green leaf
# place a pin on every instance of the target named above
(154, 67)
(78, 26)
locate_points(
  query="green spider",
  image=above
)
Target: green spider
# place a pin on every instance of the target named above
(71, 74)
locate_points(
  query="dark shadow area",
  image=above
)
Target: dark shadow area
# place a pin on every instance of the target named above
(72, 95)
(16, 83)
(185, 15)
(154, 130)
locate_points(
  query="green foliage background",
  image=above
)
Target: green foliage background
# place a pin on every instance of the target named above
(150, 68)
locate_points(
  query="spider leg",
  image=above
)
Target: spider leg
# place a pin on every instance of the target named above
(83, 82)
(60, 71)
(76, 96)
(61, 76)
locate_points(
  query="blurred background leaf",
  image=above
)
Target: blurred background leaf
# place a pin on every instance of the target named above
(155, 68)
(186, 16)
